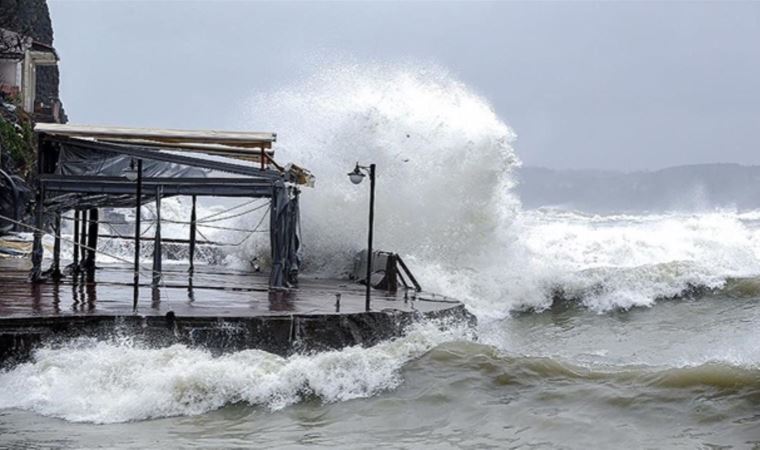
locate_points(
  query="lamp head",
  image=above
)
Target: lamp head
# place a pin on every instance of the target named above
(130, 173)
(356, 176)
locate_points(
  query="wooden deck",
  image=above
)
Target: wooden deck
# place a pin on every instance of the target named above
(216, 308)
(211, 291)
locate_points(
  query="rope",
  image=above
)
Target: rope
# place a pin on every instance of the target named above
(242, 230)
(255, 229)
(202, 235)
(220, 219)
(203, 222)
(141, 269)
(228, 210)
(205, 219)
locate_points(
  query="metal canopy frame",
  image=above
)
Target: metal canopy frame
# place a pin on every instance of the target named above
(83, 193)
(210, 187)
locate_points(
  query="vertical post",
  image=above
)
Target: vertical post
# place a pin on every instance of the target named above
(75, 255)
(92, 241)
(56, 269)
(391, 274)
(369, 239)
(157, 241)
(37, 244)
(273, 237)
(138, 204)
(192, 237)
(83, 239)
(37, 249)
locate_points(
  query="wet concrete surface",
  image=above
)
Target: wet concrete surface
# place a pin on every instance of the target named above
(216, 308)
(211, 291)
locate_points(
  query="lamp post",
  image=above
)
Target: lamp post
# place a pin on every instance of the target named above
(357, 176)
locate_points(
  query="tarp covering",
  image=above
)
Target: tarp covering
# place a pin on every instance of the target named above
(285, 236)
(77, 161)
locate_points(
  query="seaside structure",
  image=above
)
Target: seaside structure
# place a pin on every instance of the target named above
(86, 168)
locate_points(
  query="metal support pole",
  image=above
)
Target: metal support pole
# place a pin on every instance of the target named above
(192, 237)
(273, 280)
(138, 204)
(37, 250)
(55, 271)
(92, 241)
(83, 240)
(157, 241)
(369, 239)
(75, 255)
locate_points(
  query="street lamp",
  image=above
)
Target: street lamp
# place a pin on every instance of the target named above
(356, 177)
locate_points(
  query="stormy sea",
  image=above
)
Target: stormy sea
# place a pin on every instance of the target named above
(614, 324)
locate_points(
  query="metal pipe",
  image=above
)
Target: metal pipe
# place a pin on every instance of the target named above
(92, 242)
(192, 237)
(56, 269)
(37, 250)
(157, 256)
(83, 239)
(75, 256)
(138, 204)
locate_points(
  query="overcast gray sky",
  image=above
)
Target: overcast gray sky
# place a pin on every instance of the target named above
(584, 85)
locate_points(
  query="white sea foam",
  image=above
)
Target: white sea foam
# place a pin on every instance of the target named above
(104, 382)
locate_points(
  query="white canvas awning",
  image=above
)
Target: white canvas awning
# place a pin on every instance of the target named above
(245, 139)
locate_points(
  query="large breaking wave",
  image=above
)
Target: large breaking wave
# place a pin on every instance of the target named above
(445, 201)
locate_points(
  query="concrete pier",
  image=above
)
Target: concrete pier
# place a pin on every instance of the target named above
(215, 308)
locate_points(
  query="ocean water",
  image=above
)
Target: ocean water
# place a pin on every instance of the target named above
(636, 330)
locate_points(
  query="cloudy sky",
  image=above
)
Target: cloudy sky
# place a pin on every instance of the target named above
(636, 85)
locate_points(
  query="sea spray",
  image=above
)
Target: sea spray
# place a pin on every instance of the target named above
(443, 155)
(445, 202)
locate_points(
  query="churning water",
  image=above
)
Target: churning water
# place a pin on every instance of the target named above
(595, 330)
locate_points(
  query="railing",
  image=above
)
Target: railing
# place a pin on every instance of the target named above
(396, 270)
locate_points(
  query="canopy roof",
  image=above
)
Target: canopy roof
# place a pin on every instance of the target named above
(84, 166)
(243, 145)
